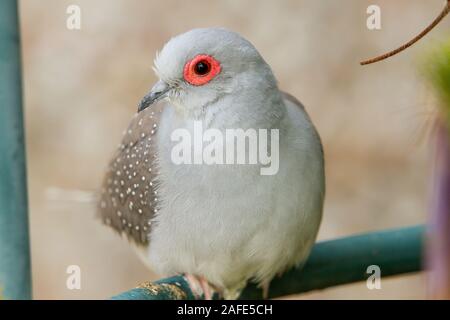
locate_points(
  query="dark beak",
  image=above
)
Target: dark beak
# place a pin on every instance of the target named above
(158, 92)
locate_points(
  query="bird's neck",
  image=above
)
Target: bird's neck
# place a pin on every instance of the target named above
(244, 109)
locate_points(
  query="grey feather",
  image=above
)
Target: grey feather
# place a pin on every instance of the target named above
(128, 201)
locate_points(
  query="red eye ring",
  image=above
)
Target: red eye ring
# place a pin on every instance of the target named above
(200, 70)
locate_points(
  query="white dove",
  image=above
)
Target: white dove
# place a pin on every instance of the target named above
(219, 224)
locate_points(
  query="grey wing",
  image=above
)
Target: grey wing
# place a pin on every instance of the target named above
(290, 98)
(128, 198)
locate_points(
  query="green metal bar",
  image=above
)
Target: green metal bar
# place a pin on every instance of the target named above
(15, 278)
(331, 263)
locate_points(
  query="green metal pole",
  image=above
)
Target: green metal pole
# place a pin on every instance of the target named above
(345, 260)
(15, 278)
(331, 263)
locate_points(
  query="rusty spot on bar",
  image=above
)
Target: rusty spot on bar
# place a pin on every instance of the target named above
(168, 289)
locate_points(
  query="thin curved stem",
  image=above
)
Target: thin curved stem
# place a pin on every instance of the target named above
(436, 21)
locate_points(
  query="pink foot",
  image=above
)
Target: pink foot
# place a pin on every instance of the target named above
(265, 290)
(199, 286)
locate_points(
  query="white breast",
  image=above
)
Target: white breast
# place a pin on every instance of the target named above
(228, 223)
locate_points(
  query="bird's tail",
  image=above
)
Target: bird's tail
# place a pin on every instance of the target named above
(57, 195)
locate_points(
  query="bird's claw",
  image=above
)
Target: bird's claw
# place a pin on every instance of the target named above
(200, 287)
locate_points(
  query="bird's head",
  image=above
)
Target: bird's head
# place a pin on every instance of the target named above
(202, 67)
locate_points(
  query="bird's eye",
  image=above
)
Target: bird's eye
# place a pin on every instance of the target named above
(202, 67)
(201, 70)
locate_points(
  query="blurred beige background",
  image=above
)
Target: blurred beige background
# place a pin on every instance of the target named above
(82, 87)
